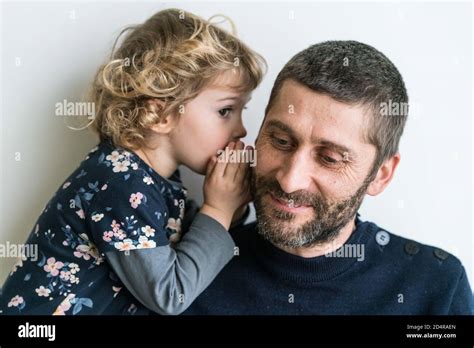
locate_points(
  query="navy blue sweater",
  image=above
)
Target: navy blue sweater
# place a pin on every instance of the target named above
(395, 276)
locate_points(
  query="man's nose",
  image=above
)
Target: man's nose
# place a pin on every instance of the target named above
(239, 131)
(295, 173)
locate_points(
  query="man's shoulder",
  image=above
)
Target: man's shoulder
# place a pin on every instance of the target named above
(387, 245)
(407, 253)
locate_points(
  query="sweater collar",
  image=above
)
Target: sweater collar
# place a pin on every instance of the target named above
(305, 272)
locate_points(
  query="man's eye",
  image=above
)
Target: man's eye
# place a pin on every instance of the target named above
(280, 142)
(328, 159)
(225, 112)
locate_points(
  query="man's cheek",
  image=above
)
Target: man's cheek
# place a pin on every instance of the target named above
(268, 159)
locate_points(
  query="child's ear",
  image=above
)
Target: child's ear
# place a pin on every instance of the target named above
(167, 122)
(384, 175)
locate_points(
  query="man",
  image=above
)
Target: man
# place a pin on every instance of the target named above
(326, 141)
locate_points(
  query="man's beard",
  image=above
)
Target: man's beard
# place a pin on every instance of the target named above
(329, 217)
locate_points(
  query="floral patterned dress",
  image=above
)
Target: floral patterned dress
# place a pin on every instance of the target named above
(113, 202)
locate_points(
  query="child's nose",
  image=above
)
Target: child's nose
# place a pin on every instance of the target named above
(239, 132)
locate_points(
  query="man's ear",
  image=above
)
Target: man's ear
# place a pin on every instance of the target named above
(166, 123)
(384, 175)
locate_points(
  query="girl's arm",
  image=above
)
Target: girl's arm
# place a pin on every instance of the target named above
(167, 280)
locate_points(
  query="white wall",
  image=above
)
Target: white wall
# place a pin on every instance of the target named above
(430, 199)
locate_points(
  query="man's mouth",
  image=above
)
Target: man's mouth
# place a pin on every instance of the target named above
(288, 205)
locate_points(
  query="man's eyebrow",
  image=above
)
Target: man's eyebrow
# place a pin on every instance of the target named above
(281, 126)
(322, 142)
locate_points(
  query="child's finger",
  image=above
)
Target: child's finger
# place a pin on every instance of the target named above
(233, 167)
(211, 165)
(245, 183)
(221, 163)
(220, 167)
(243, 166)
(229, 150)
(241, 173)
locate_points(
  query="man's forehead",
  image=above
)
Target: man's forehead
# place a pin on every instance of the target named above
(299, 99)
(317, 117)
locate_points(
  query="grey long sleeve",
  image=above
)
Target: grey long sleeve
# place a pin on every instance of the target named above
(167, 280)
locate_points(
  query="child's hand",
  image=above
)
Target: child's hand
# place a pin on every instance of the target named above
(226, 187)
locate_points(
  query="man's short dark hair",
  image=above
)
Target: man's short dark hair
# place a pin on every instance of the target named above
(354, 73)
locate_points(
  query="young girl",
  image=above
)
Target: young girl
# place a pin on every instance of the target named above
(108, 240)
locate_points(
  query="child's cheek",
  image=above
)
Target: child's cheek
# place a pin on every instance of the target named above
(216, 138)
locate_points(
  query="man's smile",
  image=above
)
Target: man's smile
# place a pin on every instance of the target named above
(288, 205)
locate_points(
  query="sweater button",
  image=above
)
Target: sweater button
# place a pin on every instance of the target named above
(412, 248)
(440, 254)
(382, 238)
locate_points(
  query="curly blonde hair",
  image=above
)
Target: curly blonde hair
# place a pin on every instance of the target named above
(172, 56)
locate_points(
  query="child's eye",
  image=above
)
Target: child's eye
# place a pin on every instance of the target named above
(225, 112)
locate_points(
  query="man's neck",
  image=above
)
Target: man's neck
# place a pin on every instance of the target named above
(324, 248)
